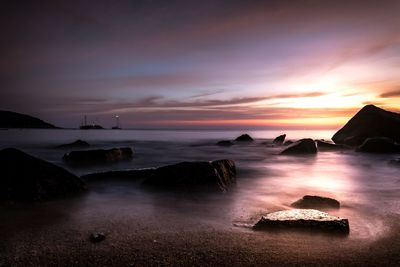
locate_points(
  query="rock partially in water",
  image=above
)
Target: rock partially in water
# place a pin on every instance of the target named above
(77, 144)
(97, 237)
(303, 146)
(379, 145)
(288, 143)
(279, 140)
(327, 146)
(27, 178)
(99, 155)
(225, 143)
(219, 174)
(244, 138)
(308, 202)
(370, 121)
(303, 219)
(129, 175)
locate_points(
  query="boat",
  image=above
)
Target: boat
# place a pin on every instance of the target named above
(117, 126)
(93, 126)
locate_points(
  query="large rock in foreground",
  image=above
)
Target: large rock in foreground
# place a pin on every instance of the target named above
(244, 138)
(308, 202)
(370, 121)
(303, 219)
(99, 155)
(77, 144)
(303, 146)
(219, 174)
(24, 177)
(379, 145)
(279, 140)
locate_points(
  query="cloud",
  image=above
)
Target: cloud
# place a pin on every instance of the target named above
(391, 94)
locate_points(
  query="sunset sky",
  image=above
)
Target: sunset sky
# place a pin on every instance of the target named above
(273, 64)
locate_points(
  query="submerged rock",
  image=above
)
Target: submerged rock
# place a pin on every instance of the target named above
(379, 145)
(225, 143)
(308, 202)
(303, 146)
(370, 121)
(24, 177)
(244, 138)
(219, 174)
(77, 144)
(99, 155)
(279, 140)
(303, 219)
(324, 146)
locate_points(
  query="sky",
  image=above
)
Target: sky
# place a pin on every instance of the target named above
(199, 64)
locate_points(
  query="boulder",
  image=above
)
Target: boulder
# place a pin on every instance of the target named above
(244, 138)
(303, 146)
(99, 155)
(77, 144)
(24, 177)
(279, 140)
(370, 121)
(288, 143)
(225, 143)
(308, 202)
(219, 174)
(379, 145)
(326, 146)
(303, 219)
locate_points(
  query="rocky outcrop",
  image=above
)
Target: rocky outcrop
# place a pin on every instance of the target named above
(370, 121)
(379, 145)
(9, 119)
(219, 174)
(77, 144)
(303, 219)
(326, 146)
(99, 155)
(312, 202)
(24, 177)
(225, 143)
(244, 138)
(303, 146)
(279, 140)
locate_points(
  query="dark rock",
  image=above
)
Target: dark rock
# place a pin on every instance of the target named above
(24, 177)
(370, 121)
(10, 119)
(99, 155)
(379, 145)
(244, 138)
(288, 143)
(326, 146)
(303, 219)
(97, 237)
(279, 140)
(308, 202)
(225, 143)
(218, 174)
(131, 175)
(303, 146)
(77, 144)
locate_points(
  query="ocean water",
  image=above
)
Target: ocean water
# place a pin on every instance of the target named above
(368, 186)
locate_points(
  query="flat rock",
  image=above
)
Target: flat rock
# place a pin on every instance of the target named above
(225, 143)
(219, 174)
(99, 155)
(303, 219)
(379, 145)
(24, 177)
(303, 146)
(279, 140)
(77, 144)
(370, 121)
(308, 202)
(244, 138)
(327, 146)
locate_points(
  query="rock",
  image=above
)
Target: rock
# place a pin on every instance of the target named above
(308, 202)
(77, 144)
(97, 237)
(131, 175)
(24, 177)
(379, 145)
(244, 138)
(99, 155)
(303, 219)
(9, 119)
(218, 174)
(370, 121)
(326, 146)
(288, 143)
(225, 143)
(303, 146)
(279, 140)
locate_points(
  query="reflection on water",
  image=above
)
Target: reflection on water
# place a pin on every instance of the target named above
(366, 185)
